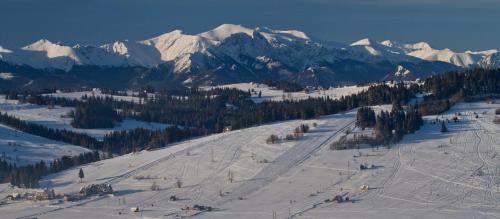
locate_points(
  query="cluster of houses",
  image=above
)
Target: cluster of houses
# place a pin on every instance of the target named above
(49, 194)
(36, 195)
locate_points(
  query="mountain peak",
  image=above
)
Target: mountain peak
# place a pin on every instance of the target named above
(51, 49)
(402, 71)
(225, 30)
(170, 35)
(362, 42)
(388, 43)
(39, 45)
(422, 46)
(4, 50)
(295, 33)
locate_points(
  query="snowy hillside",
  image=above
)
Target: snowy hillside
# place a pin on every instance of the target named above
(21, 148)
(427, 175)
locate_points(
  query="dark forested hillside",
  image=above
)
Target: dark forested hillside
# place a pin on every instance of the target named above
(447, 89)
(94, 114)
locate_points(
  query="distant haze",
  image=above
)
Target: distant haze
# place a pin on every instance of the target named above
(457, 24)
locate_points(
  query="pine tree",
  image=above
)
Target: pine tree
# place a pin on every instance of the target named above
(365, 117)
(443, 127)
(81, 175)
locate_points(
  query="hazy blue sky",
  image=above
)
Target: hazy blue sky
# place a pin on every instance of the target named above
(456, 24)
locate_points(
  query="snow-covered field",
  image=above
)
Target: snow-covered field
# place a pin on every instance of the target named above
(271, 94)
(427, 175)
(56, 118)
(77, 95)
(268, 93)
(22, 148)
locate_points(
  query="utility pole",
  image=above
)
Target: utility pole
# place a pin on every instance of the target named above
(212, 154)
(348, 172)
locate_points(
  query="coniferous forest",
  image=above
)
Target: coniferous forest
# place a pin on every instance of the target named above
(94, 114)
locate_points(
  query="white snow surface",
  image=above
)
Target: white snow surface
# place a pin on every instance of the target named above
(428, 174)
(6, 75)
(56, 118)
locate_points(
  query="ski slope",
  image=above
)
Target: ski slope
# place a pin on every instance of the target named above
(57, 118)
(428, 174)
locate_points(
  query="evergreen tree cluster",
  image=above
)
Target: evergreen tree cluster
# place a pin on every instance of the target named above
(452, 87)
(94, 113)
(365, 117)
(208, 111)
(390, 127)
(471, 82)
(123, 142)
(285, 86)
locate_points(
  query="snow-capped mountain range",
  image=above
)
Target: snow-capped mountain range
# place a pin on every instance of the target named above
(234, 48)
(291, 47)
(423, 51)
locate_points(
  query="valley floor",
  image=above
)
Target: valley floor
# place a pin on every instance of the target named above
(428, 174)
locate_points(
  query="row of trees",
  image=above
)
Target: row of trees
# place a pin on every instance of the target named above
(285, 86)
(29, 175)
(122, 142)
